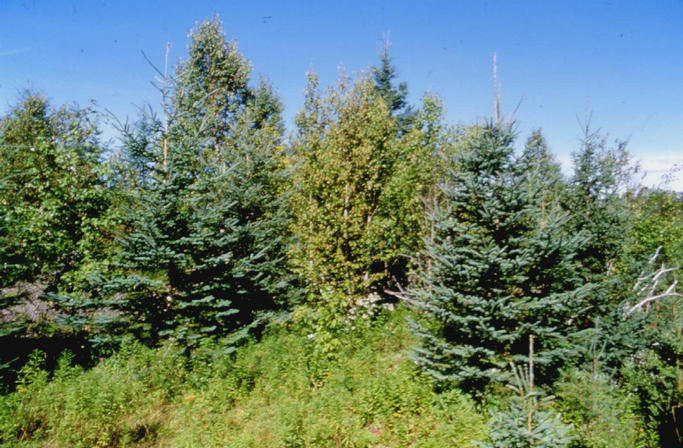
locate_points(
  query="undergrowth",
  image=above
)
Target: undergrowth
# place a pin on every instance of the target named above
(277, 392)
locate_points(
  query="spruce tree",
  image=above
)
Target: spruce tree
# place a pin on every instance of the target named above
(601, 175)
(597, 208)
(544, 171)
(500, 268)
(394, 95)
(206, 248)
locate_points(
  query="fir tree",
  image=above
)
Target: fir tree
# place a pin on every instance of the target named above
(205, 252)
(394, 95)
(499, 268)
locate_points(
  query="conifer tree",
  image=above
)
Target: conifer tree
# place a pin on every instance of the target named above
(500, 269)
(543, 173)
(205, 252)
(600, 172)
(530, 420)
(394, 95)
(544, 169)
(598, 209)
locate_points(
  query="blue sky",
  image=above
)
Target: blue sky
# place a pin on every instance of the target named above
(620, 60)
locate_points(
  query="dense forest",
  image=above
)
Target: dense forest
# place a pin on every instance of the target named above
(377, 277)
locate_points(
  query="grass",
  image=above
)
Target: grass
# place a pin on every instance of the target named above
(277, 392)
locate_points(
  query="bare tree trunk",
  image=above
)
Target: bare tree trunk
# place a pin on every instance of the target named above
(530, 412)
(164, 105)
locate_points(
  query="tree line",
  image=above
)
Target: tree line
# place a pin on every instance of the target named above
(210, 222)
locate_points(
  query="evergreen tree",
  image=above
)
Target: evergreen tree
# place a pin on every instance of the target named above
(206, 248)
(500, 268)
(394, 95)
(530, 420)
(545, 172)
(600, 175)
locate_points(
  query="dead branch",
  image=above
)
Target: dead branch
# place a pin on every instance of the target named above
(648, 284)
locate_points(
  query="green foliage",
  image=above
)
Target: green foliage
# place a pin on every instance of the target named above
(209, 228)
(205, 248)
(358, 190)
(656, 383)
(263, 395)
(655, 373)
(500, 267)
(657, 219)
(118, 403)
(601, 174)
(603, 414)
(544, 174)
(395, 96)
(369, 396)
(651, 367)
(50, 189)
(212, 86)
(54, 204)
(340, 183)
(638, 345)
(530, 420)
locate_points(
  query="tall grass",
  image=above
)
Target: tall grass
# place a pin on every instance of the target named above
(273, 393)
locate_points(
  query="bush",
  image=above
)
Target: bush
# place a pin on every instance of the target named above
(118, 402)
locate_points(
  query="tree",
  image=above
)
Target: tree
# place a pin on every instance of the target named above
(211, 87)
(50, 190)
(544, 173)
(346, 148)
(205, 252)
(395, 96)
(501, 268)
(530, 420)
(358, 186)
(53, 203)
(600, 175)
(656, 216)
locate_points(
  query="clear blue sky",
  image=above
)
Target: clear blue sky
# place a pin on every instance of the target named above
(622, 60)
